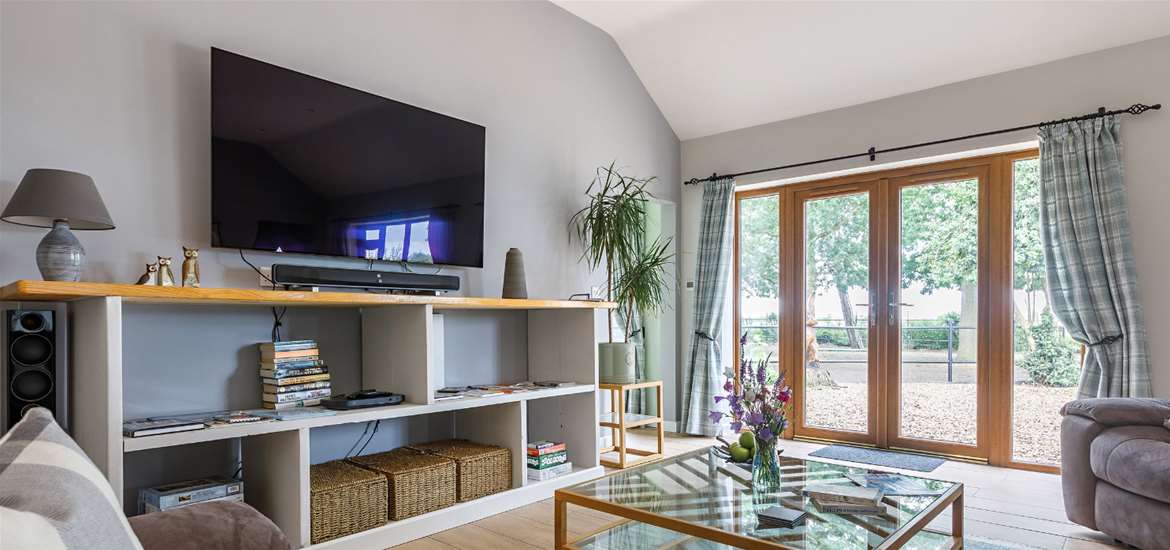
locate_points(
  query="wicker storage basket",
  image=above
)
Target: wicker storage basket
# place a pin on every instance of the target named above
(344, 499)
(417, 482)
(482, 469)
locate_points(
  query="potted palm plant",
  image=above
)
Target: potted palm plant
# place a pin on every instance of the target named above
(612, 228)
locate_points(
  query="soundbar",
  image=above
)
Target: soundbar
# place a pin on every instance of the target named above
(300, 276)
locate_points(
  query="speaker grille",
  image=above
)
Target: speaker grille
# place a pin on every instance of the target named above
(34, 371)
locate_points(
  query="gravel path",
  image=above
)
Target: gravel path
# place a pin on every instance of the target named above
(946, 412)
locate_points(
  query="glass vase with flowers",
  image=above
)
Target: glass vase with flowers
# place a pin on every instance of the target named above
(757, 403)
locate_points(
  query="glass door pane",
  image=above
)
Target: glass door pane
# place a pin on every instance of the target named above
(759, 276)
(938, 311)
(837, 280)
(1047, 362)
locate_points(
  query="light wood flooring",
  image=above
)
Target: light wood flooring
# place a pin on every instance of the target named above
(1014, 506)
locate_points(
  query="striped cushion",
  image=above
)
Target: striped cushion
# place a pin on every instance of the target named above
(51, 496)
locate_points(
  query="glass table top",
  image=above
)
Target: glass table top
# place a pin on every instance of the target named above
(701, 488)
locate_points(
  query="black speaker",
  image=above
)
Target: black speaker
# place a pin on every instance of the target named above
(35, 363)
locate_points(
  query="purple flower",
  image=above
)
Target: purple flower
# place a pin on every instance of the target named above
(765, 435)
(716, 417)
(719, 398)
(743, 339)
(736, 426)
(756, 418)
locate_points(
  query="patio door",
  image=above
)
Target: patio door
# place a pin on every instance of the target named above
(935, 292)
(837, 381)
(890, 325)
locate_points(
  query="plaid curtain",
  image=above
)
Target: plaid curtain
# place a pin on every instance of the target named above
(702, 379)
(1088, 256)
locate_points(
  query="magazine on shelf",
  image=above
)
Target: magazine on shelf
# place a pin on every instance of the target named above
(298, 413)
(160, 425)
(899, 485)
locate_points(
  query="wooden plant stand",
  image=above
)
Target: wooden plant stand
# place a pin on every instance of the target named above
(618, 421)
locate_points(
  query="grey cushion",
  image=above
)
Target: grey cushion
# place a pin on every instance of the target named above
(51, 496)
(1120, 411)
(1132, 519)
(1134, 458)
(209, 526)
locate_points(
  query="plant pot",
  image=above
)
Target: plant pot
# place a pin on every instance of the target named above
(617, 362)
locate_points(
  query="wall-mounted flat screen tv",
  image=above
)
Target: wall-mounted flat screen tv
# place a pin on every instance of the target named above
(304, 165)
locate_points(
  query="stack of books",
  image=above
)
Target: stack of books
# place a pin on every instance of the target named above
(845, 499)
(293, 374)
(546, 460)
(779, 517)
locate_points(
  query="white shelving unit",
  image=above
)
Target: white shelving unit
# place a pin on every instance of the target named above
(396, 354)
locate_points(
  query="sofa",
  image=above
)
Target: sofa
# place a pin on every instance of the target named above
(1115, 468)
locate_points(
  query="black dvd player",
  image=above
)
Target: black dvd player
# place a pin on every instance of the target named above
(300, 276)
(362, 399)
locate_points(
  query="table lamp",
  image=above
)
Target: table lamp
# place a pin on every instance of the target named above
(62, 200)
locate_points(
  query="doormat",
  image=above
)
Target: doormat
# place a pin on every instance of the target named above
(889, 459)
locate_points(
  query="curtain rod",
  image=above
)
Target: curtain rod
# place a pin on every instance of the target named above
(872, 153)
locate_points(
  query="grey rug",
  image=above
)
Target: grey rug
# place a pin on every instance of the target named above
(889, 459)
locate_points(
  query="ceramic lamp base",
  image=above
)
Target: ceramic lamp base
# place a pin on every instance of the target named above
(60, 256)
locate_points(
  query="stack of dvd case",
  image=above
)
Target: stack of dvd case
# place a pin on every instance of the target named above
(293, 374)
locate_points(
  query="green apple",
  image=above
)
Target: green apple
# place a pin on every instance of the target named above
(747, 440)
(739, 453)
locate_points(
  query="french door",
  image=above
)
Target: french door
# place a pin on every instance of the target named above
(882, 304)
(908, 309)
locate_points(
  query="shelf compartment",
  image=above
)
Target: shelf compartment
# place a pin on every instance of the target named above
(134, 444)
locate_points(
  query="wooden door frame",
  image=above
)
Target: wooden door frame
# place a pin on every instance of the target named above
(893, 360)
(798, 314)
(995, 298)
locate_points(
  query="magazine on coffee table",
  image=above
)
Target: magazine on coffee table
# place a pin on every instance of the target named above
(899, 485)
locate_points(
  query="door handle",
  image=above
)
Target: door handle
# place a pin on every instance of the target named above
(892, 310)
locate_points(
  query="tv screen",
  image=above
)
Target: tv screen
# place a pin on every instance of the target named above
(300, 164)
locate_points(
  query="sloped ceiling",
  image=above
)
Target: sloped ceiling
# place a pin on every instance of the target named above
(715, 66)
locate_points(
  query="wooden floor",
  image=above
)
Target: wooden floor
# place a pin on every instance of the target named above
(1024, 508)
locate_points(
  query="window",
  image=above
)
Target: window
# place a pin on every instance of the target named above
(398, 241)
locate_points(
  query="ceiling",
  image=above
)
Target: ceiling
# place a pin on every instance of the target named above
(714, 66)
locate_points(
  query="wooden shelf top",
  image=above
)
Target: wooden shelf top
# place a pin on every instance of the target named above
(55, 291)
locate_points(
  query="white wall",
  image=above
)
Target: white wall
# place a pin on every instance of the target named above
(120, 91)
(1112, 78)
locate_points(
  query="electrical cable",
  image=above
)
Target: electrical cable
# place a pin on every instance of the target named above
(359, 440)
(376, 425)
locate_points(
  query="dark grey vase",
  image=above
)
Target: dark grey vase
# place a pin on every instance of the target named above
(60, 256)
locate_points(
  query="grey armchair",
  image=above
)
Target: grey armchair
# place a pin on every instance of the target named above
(1115, 468)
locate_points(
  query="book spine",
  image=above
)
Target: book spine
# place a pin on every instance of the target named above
(292, 381)
(549, 473)
(547, 461)
(290, 373)
(546, 450)
(288, 346)
(840, 498)
(293, 405)
(277, 355)
(838, 508)
(269, 388)
(296, 396)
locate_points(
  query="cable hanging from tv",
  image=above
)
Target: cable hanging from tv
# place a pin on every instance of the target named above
(872, 153)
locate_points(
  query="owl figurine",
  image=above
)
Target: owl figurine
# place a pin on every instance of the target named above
(191, 267)
(166, 277)
(150, 277)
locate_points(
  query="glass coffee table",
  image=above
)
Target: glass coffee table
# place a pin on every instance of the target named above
(696, 501)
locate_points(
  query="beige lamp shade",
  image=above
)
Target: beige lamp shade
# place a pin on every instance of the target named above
(45, 195)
